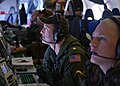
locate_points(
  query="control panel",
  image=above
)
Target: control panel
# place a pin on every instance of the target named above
(7, 74)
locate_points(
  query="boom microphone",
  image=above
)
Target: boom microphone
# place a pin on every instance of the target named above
(94, 53)
(47, 41)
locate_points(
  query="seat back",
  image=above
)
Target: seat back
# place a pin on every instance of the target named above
(115, 12)
(89, 15)
(106, 13)
(92, 25)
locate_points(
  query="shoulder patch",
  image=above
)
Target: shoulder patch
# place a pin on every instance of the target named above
(75, 58)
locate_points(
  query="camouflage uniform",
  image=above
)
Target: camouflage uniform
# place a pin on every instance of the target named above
(96, 77)
(113, 77)
(68, 67)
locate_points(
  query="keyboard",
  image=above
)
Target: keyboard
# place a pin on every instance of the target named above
(27, 78)
(34, 84)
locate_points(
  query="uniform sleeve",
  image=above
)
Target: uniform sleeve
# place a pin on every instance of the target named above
(74, 69)
(74, 74)
(46, 66)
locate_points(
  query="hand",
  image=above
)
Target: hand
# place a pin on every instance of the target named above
(16, 50)
(12, 49)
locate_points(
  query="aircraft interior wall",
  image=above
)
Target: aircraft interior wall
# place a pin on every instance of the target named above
(99, 8)
(5, 7)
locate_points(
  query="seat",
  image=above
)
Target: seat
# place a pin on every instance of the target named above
(106, 13)
(115, 12)
(75, 27)
(89, 15)
(79, 27)
(92, 25)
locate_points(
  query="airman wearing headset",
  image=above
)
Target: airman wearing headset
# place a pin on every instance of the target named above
(105, 49)
(64, 59)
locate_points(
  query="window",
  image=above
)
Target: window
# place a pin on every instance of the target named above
(97, 11)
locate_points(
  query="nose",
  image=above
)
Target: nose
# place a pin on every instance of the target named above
(42, 31)
(93, 43)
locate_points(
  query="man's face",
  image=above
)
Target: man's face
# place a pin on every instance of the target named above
(47, 33)
(104, 42)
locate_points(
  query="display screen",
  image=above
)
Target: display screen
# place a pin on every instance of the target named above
(4, 69)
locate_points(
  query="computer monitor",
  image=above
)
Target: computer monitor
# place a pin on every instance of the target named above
(4, 69)
(7, 78)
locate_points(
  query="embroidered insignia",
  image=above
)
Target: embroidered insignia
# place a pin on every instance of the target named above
(74, 48)
(75, 58)
(80, 73)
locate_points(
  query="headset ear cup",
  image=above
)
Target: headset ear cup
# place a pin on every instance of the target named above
(118, 49)
(58, 36)
(55, 36)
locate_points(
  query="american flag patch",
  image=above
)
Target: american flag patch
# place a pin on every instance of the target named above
(75, 58)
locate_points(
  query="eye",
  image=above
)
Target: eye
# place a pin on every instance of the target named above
(45, 28)
(102, 38)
